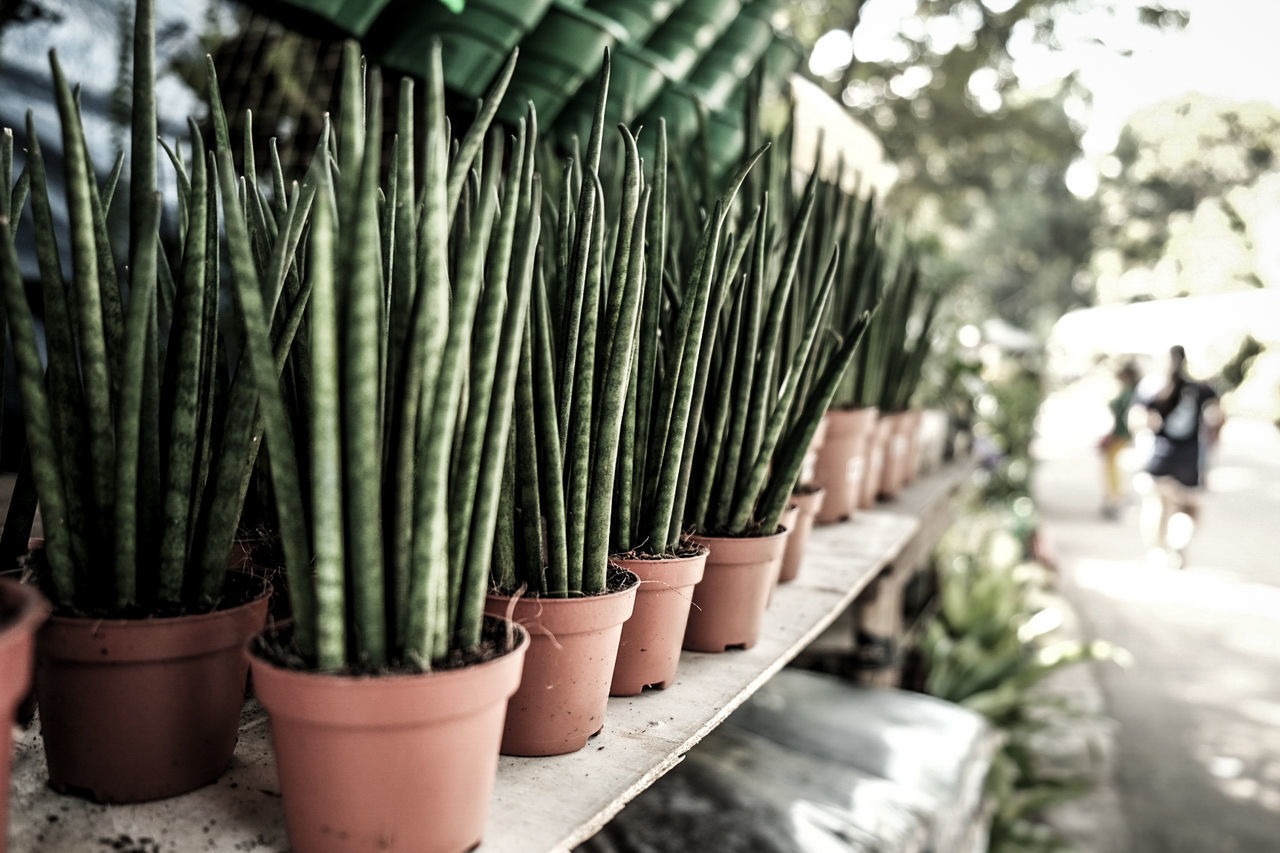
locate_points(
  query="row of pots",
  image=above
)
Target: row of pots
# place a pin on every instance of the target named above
(143, 709)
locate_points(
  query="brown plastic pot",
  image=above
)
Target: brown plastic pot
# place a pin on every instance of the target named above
(808, 505)
(649, 649)
(877, 448)
(567, 673)
(22, 610)
(809, 466)
(788, 521)
(842, 462)
(893, 474)
(397, 762)
(911, 430)
(141, 709)
(730, 600)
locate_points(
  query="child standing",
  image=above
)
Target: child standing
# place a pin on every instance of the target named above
(1117, 440)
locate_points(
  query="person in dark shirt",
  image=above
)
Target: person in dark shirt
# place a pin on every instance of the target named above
(1178, 412)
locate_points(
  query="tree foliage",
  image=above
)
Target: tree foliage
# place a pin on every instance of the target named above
(1196, 186)
(982, 158)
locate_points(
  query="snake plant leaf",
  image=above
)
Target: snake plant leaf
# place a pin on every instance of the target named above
(66, 400)
(766, 376)
(492, 484)
(552, 495)
(483, 363)
(789, 457)
(716, 469)
(96, 380)
(422, 489)
(472, 142)
(580, 461)
(327, 504)
(186, 347)
(259, 360)
(112, 305)
(9, 213)
(142, 128)
(360, 341)
(431, 616)
(750, 353)
(46, 462)
(749, 491)
(611, 410)
(648, 343)
(586, 261)
(527, 502)
(129, 424)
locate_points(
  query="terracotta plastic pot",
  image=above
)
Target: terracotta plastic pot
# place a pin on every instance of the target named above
(790, 517)
(730, 600)
(140, 709)
(649, 649)
(809, 466)
(808, 505)
(877, 449)
(911, 431)
(567, 673)
(893, 475)
(842, 461)
(22, 610)
(399, 762)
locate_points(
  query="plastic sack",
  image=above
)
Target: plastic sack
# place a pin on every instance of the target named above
(812, 764)
(935, 749)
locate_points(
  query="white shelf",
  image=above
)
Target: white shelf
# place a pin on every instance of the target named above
(539, 804)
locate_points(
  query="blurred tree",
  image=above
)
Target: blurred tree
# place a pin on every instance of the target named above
(982, 154)
(1196, 195)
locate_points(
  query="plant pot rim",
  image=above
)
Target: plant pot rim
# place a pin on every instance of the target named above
(632, 581)
(632, 557)
(314, 676)
(711, 540)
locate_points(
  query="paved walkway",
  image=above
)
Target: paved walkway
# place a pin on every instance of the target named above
(1196, 759)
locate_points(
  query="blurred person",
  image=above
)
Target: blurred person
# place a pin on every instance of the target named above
(1119, 438)
(1179, 411)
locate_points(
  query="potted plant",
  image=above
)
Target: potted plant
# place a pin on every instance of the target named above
(551, 569)
(751, 451)
(139, 676)
(662, 416)
(840, 219)
(900, 346)
(842, 462)
(387, 695)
